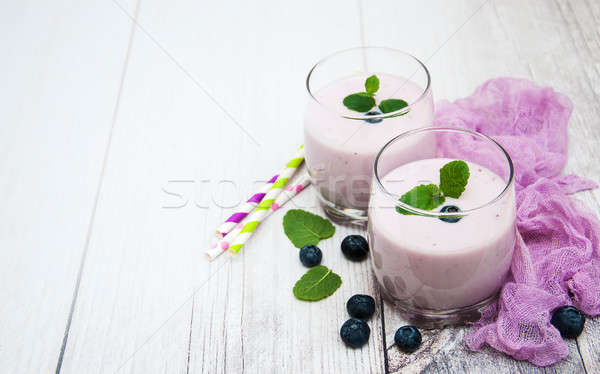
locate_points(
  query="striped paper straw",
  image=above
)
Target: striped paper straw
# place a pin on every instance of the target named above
(248, 206)
(264, 207)
(222, 245)
(290, 191)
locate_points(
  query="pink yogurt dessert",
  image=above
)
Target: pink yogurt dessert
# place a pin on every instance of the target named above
(426, 264)
(340, 151)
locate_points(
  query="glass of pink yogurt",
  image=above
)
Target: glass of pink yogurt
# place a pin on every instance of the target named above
(341, 144)
(441, 266)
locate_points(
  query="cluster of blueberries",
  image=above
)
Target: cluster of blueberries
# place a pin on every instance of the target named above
(354, 248)
(355, 332)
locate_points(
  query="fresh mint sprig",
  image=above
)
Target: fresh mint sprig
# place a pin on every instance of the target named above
(365, 101)
(316, 284)
(454, 177)
(372, 84)
(305, 228)
(392, 105)
(359, 102)
(424, 196)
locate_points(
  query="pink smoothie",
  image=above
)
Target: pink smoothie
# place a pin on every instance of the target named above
(340, 152)
(425, 263)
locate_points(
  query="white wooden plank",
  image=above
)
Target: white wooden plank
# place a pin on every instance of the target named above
(61, 69)
(580, 77)
(255, 323)
(542, 41)
(141, 267)
(146, 260)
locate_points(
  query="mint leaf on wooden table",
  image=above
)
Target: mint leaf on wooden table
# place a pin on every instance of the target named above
(359, 102)
(372, 84)
(392, 105)
(424, 196)
(316, 284)
(304, 228)
(454, 176)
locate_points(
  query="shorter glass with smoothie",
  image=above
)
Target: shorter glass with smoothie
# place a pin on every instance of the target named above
(442, 224)
(341, 140)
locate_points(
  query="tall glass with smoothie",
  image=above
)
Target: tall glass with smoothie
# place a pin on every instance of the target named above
(442, 224)
(359, 98)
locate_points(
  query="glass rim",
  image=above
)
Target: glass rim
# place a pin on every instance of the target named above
(396, 113)
(428, 213)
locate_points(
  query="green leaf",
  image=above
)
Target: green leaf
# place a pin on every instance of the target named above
(392, 105)
(372, 84)
(424, 196)
(304, 228)
(454, 176)
(359, 102)
(317, 283)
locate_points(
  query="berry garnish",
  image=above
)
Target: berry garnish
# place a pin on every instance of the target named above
(450, 209)
(373, 113)
(310, 255)
(361, 306)
(355, 332)
(408, 339)
(355, 247)
(569, 321)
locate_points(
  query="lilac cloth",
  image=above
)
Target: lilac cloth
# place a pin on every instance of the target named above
(556, 260)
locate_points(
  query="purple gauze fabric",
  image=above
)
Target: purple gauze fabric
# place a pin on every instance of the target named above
(556, 259)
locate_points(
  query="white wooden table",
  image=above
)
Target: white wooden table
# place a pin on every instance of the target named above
(126, 126)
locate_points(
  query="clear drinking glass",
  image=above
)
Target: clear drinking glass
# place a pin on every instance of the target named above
(341, 144)
(441, 268)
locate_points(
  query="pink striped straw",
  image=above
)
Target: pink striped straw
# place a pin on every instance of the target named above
(248, 206)
(289, 192)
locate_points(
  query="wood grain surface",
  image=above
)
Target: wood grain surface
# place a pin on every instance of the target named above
(131, 129)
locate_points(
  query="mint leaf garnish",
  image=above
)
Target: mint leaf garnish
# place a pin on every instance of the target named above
(453, 178)
(364, 101)
(424, 196)
(304, 228)
(316, 284)
(392, 105)
(359, 102)
(372, 84)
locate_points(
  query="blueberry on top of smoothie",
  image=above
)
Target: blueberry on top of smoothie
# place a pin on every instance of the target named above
(373, 113)
(361, 306)
(450, 209)
(355, 332)
(568, 321)
(355, 247)
(310, 255)
(408, 339)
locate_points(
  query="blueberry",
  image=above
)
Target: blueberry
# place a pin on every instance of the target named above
(450, 209)
(408, 338)
(569, 321)
(361, 306)
(355, 247)
(310, 255)
(373, 113)
(355, 332)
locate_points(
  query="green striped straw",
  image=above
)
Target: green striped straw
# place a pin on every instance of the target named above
(262, 209)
